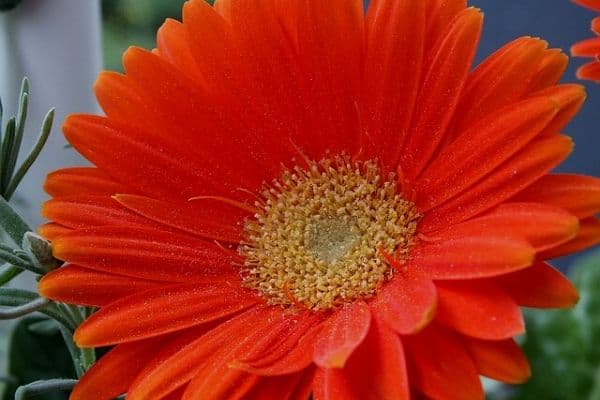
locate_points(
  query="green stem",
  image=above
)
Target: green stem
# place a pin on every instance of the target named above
(67, 313)
(7, 254)
(73, 350)
(28, 308)
(88, 358)
(77, 313)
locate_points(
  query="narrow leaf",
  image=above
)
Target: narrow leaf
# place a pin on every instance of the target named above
(19, 129)
(6, 154)
(33, 154)
(35, 389)
(11, 222)
(8, 273)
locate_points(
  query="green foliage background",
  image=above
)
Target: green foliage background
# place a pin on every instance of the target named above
(564, 346)
(37, 354)
(134, 22)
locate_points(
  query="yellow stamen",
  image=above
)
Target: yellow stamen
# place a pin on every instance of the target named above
(320, 236)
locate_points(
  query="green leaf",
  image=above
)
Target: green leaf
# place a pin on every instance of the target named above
(11, 163)
(6, 153)
(47, 327)
(562, 346)
(7, 273)
(11, 222)
(33, 154)
(36, 389)
(33, 357)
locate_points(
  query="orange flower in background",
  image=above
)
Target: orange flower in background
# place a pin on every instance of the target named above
(589, 47)
(291, 197)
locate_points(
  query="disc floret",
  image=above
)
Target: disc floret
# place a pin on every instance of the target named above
(322, 233)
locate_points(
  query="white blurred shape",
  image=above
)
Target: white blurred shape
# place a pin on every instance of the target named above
(57, 45)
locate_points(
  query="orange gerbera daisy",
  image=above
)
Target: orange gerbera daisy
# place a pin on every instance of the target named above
(290, 197)
(589, 47)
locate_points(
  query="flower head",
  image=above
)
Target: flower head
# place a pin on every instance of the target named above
(291, 197)
(589, 47)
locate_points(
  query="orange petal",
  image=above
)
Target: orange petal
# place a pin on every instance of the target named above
(469, 257)
(121, 101)
(376, 370)
(590, 71)
(578, 194)
(183, 362)
(591, 4)
(541, 225)
(261, 35)
(107, 378)
(76, 285)
(500, 360)
(540, 286)
(586, 48)
(500, 80)
(52, 232)
(569, 99)
(482, 148)
(178, 104)
(162, 310)
(210, 41)
(479, 309)
(81, 181)
(176, 395)
(285, 387)
(341, 334)
(229, 78)
(143, 253)
(596, 25)
(330, 50)
(395, 33)
(440, 90)
(587, 237)
(209, 222)
(175, 384)
(440, 14)
(157, 169)
(172, 43)
(220, 379)
(407, 303)
(237, 388)
(550, 70)
(520, 171)
(85, 211)
(304, 388)
(292, 354)
(441, 367)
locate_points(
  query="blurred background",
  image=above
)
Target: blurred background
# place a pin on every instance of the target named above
(563, 346)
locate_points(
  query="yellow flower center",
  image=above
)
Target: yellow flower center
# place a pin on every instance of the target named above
(322, 235)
